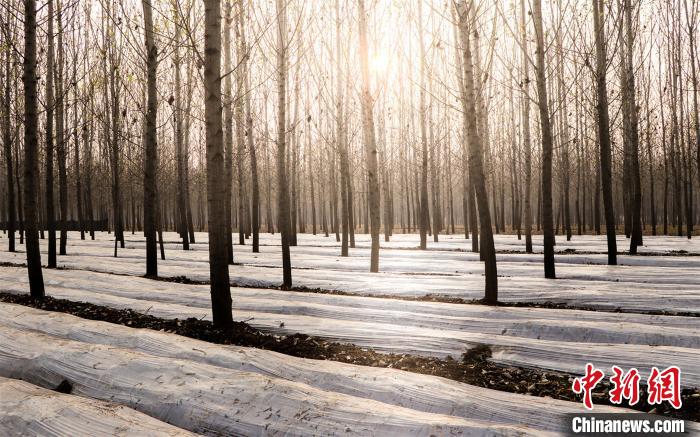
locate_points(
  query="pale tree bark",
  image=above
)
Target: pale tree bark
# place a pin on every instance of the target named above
(61, 142)
(186, 149)
(563, 130)
(88, 134)
(632, 130)
(370, 141)
(181, 166)
(434, 178)
(268, 169)
(476, 167)
(650, 157)
(340, 137)
(18, 182)
(115, 152)
(424, 209)
(514, 160)
(31, 153)
(243, 65)
(293, 158)
(49, 172)
(525, 120)
(547, 145)
(216, 214)
(240, 134)
(150, 177)
(604, 129)
(228, 131)
(76, 154)
(87, 140)
(311, 172)
(282, 190)
(665, 156)
(7, 145)
(467, 192)
(691, 19)
(386, 178)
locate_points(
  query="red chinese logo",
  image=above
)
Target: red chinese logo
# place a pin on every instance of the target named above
(587, 383)
(626, 386)
(662, 386)
(665, 386)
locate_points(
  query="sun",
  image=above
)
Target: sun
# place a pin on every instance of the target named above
(379, 64)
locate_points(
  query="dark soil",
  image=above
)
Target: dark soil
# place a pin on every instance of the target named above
(64, 387)
(474, 367)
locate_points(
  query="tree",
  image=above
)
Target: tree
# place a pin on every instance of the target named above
(150, 177)
(604, 128)
(61, 143)
(547, 145)
(631, 128)
(244, 51)
(340, 139)
(7, 144)
(370, 141)
(111, 134)
(218, 253)
(691, 21)
(240, 142)
(180, 154)
(282, 191)
(476, 167)
(228, 132)
(31, 153)
(424, 209)
(76, 151)
(563, 130)
(49, 172)
(525, 119)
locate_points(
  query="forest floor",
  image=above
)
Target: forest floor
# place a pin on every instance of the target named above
(344, 332)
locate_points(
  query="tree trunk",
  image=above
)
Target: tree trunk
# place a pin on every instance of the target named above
(547, 145)
(424, 209)
(61, 143)
(20, 207)
(476, 169)
(115, 157)
(650, 157)
(186, 152)
(691, 20)
(604, 129)
(181, 165)
(340, 138)
(240, 138)
(564, 135)
(150, 176)
(216, 184)
(49, 172)
(88, 131)
(434, 180)
(31, 152)
(370, 142)
(632, 131)
(76, 157)
(268, 210)
(525, 117)
(282, 192)
(7, 143)
(243, 65)
(228, 133)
